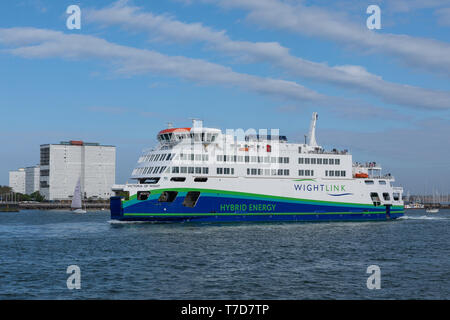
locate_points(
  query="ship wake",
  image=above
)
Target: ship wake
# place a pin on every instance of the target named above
(422, 218)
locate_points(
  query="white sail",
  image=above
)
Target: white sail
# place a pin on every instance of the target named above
(76, 199)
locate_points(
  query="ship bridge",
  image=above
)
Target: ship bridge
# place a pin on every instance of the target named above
(197, 133)
(370, 170)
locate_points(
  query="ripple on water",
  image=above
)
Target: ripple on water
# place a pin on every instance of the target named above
(222, 261)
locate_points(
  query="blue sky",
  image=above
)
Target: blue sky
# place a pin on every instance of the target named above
(136, 65)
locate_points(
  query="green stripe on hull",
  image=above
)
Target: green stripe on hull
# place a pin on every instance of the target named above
(254, 196)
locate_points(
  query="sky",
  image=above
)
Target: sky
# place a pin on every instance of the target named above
(133, 66)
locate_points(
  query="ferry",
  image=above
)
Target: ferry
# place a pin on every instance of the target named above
(206, 175)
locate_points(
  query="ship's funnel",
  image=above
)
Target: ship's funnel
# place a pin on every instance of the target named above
(312, 130)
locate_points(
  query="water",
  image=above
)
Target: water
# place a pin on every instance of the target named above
(222, 261)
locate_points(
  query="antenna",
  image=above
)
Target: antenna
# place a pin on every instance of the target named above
(312, 130)
(169, 125)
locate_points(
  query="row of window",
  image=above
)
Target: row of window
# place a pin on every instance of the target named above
(253, 159)
(376, 198)
(225, 170)
(190, 200)
(306, 173)
(45, 173)
(250, 171)
(45, 156)
(192, 157)
(171, 156)
(267, 172)
(205, 137)
(334, 173)
(196, 170)
(381, 182)
(319, 161)
(157, 157)
(150, 170)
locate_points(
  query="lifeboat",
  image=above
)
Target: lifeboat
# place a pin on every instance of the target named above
(361, 175)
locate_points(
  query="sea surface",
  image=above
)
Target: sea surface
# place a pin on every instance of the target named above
(222, 261)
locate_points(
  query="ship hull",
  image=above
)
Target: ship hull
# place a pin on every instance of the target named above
(227, 206)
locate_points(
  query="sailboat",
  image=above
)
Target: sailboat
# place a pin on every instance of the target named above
(433, 208)
(76, 199)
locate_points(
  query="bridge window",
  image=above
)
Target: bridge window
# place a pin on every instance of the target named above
(396, 196)
(375, 199)
(386, 196)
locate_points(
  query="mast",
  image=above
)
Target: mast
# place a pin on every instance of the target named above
(312, 130)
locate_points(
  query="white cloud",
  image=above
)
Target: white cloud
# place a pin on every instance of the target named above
(423, 53)
(412, 5)
(348, 76)
(40, 43)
